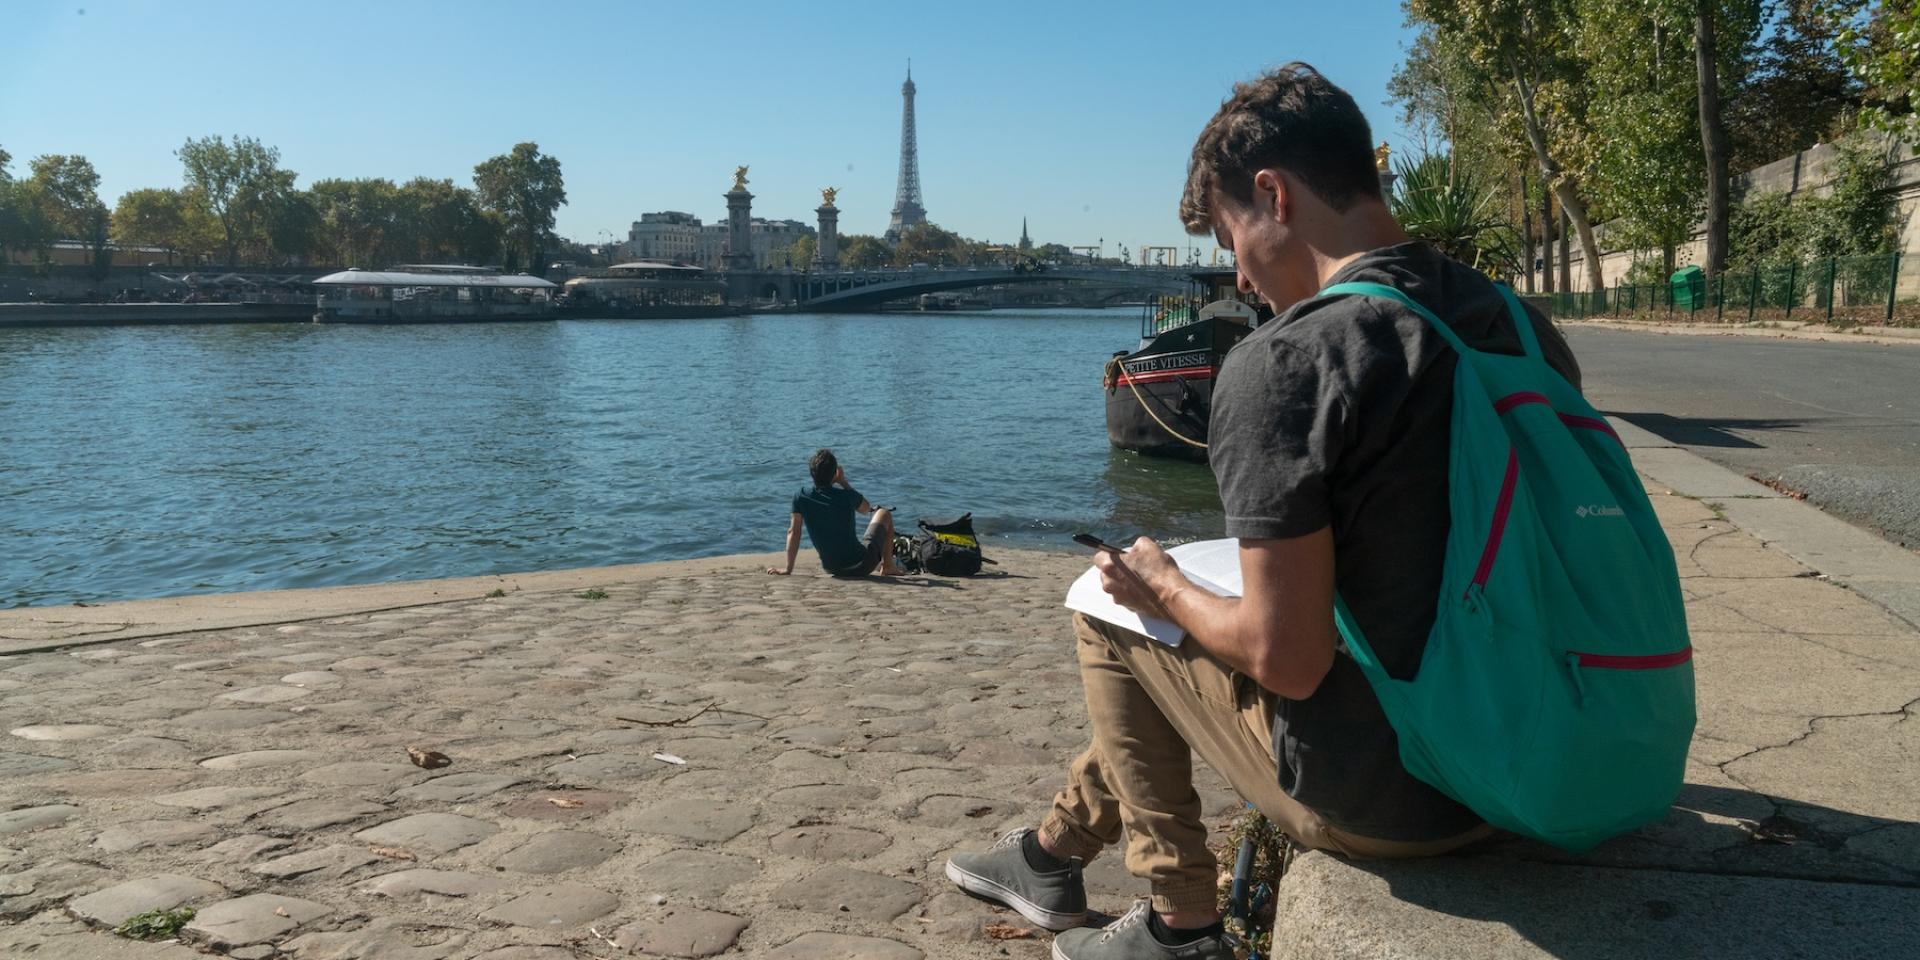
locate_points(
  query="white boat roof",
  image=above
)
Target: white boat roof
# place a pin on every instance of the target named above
(655, 265)
(390, 278)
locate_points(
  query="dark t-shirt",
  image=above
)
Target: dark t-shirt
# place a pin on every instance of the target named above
(828, 514)
(1337, 413)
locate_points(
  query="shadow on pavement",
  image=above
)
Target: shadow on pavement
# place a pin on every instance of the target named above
(1801, 880)
(1706, 431)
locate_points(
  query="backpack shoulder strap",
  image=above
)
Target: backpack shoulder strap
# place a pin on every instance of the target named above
(1522, 323)
(1385, 292)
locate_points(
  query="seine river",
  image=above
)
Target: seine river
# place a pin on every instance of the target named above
(157, 461)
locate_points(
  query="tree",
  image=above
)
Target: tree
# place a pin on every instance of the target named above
(357, 221)
(799, 254)
(178, 220)
(930, 244)
(1797, 92)
(67, 191)
(862, 251)
(1880, 43)
(1525, 50)
(441, 222)
(525, 188)
(1713, 132)
(14, 226)
(242, 182)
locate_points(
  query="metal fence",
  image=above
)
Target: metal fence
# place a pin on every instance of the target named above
(1882, 289)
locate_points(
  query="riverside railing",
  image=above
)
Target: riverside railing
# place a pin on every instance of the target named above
(1878, 289)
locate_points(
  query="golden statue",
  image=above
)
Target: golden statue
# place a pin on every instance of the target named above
(739, 178)
(826, 196)
(1379, 157)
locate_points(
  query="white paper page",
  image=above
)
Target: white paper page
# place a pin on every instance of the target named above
(1214, 565)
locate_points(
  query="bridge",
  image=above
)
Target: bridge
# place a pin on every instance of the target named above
(854, 291)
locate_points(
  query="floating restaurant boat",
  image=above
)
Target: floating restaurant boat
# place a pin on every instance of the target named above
(432, 293)
(1160, 395)
(647, 290)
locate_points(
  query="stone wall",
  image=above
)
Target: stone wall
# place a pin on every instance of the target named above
(1809, 172)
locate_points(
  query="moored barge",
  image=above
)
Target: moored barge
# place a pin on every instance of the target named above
(1160, 395)
(431, 293)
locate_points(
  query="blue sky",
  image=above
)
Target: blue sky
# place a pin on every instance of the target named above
(1076, 116)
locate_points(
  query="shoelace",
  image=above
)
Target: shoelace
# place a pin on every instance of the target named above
(1010, 840)
(1132, 918)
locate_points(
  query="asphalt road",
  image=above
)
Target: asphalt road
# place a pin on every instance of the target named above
(1839, 422)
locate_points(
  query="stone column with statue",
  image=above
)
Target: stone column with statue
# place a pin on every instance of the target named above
(739, 258)
(826, 253)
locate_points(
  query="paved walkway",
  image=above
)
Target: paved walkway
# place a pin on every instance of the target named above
(708, 758)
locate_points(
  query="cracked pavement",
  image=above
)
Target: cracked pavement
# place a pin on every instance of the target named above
(711, 760)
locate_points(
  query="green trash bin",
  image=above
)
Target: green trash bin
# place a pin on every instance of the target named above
(1689, 288)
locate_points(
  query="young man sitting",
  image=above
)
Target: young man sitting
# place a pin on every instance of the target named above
(1330, 446)
(826, 510)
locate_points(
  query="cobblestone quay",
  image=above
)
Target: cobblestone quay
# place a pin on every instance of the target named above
(698, 762)
(687, 759)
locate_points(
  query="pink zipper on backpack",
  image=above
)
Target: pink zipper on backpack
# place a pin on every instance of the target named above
(1651, 661)
(1498, 529)
(1511, 400)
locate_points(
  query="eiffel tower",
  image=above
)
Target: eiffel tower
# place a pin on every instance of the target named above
(908, 210)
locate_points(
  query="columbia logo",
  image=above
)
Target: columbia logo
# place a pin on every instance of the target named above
(1596, 510)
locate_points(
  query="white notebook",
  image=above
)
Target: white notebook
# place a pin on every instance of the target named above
(1214, 565)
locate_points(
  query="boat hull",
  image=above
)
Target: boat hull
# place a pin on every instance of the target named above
(665, 311)
(1160, 398)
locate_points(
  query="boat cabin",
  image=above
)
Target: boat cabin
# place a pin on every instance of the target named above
(431, 293)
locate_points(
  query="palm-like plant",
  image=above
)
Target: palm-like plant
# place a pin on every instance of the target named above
(1448, 207)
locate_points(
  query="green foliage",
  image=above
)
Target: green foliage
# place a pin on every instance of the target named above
(155, 924)
(245, 187)
(1880, 43)
(1857, 217)
(1796, 91)
(1650, 171)
(928, 244)
(524, 187)
(592, 593)
(862, 251)
(356, 219)
(1452, 210)
(1765, 228)
(178, 219)
(1645, 271)
(798, 254)
(496, 593)
(66, 191)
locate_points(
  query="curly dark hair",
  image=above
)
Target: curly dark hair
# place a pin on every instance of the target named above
(1294, 119)
(822, 468)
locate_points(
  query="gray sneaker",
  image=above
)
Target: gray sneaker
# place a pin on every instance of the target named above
(1129, 939)
(1055, 900)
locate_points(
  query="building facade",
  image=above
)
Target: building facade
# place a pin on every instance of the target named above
(669, 236)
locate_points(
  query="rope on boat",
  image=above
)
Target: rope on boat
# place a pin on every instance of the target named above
(1111, 376)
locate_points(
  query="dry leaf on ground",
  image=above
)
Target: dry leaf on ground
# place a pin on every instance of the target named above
(392, 853)
(428, 759)
(1007, 931)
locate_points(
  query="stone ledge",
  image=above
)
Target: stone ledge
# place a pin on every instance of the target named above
(1481, 907)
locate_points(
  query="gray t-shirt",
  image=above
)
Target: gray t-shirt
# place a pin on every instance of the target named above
(1337, 413)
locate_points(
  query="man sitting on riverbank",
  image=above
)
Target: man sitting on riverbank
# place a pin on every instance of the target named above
(826, 510)
(1329, 441)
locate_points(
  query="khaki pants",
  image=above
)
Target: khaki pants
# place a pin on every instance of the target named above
(1151, 707)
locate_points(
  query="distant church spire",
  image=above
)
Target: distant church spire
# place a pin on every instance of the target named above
(1025, 244)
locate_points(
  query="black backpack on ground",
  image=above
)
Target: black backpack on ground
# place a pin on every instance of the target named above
(946, 549)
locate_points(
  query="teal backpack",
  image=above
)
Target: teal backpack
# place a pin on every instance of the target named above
(1555, 696)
